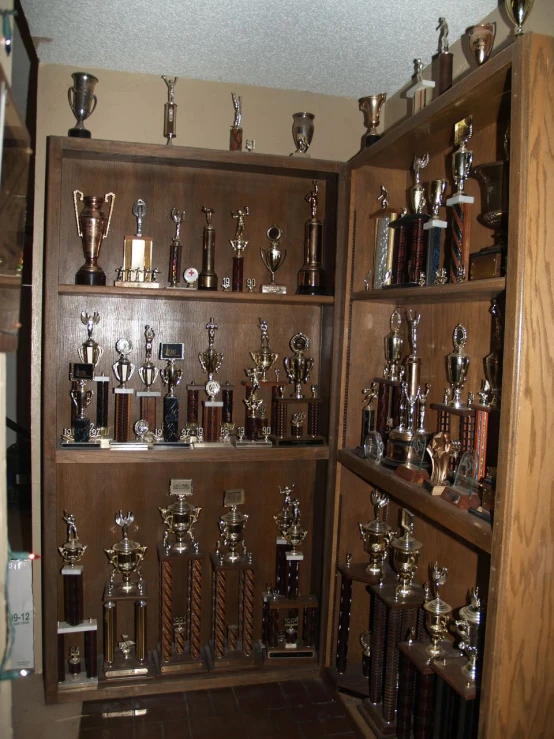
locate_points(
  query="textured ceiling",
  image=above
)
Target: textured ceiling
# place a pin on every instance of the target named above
(339, 47)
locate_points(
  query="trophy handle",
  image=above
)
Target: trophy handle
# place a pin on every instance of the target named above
(112, 196)
(69, 91)
(75, 193)
(94, 106)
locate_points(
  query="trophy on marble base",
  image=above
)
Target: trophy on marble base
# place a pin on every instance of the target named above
(445, 57)
(302, 133)
(211, 361)
(235, 142)
(80, 374)
(174, 272)
(239, 244)
(462, 160)
(371, 108)
(311, 277)
(148, 374)
(384, 240)
(207, 279)
(273, 257)
(137, 269)
(434, 227)
(171, 376)
(170, 110)
(419, 93)
(82, 102)
(92, 228)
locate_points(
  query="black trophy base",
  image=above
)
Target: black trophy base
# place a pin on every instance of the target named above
(207, 281)
(311, 290)
(88, 277)
(171, 419)
(370, 139)
(372, 714)
(81, 430)
(79, 133)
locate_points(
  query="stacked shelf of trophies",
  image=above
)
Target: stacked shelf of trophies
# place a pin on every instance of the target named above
(122, 433)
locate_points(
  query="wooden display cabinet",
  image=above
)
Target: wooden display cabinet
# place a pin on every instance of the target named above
(95, 483)
(510, 561)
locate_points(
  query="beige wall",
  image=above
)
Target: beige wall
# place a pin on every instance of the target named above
(541, 20)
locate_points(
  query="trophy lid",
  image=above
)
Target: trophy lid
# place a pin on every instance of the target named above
(472, 613)
(376, 526)
(126, 545)
(234, 516)
(438, 607)
(407, 543)
(181, 505)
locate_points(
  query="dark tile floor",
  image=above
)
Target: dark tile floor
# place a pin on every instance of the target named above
(288, 710)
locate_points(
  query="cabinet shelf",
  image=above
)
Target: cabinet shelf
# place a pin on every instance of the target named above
(461, 523)
(452, 292)
(202, 295)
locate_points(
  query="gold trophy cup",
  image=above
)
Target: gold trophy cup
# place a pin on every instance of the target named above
(125, 557)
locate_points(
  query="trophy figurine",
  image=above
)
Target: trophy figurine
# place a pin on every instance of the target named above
(302, 133)
(92, 228)
(470, 627)
(89, 351)
(405, 555)
(207, 279)
(419, 91)
(82, 102)
(273, 257)
(457, 365)
(437, 613)
(295, 534)
(493, 361)
(413, 362)
(264, 358)
(311, 278)
(384, 241)
(298, 367)
(170, 110)
(518, 11)
(416, 222)
(376, 535)
(73, 550)
(239, 244)
(231, 527)
(125, 557)
(394, 344)
(79, 374)
(445, 57)
(179, 518)
(481, 41)
(137, 269)
(371, 108)
(439, 451)
(235, 143)
(462, 159)
(171, 376)
(284, 519)
(174, 273)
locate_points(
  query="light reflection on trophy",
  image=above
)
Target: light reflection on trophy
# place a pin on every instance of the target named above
(406, 555)
(437, 613)
(376, 535)
(470, 627)
(273, 257)
(265, 358)
(82, 102)
(125, 557)
(231, 526)
(92, 228)
(457, 365)
(180, 518)
(371, 108)
(298, 367)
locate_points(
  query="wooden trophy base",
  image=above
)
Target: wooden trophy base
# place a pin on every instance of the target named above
(127, 668)
(461, 500)
(303, 440)
(412, 474)
(180, 663)
(372, 714)
(234, 659)
(284, 656)
(352, 681)
(451, 672)
(434, 489)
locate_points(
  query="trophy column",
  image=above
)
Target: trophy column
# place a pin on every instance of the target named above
(311, 277)
(462, 160)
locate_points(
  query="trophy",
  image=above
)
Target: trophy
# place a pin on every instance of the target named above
(302, 133)
(92, 228)
(79, 374)
(311, 278)
(435, 225)
(462, 160)
(437, 613)
(457, 365)
(82, 102)
(481, 41)
(376, 535)
(171, 376)
(123, 370)
(170, 110)
(445, 57)
(384, 241)
(518, 11)
(207, 279)
(211, 361)
(179, 518)
(298, 367)
(368, 414)
(148, 374)
(470, 627)
(72, 552)
(89, 351)
(371, 108)
(231, 526)
(393, 349)
(405, 555)
(239, 244)
(174, 274)
(273, 257)
(439, 451)
(413, 362)
(295, 535)
(264, 358)
(137, 270)
(419, 92)
(235, 143)
(125, 557)
(416, 255)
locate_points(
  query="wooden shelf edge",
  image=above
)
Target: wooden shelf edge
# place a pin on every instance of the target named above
(187, 456)
(461, 523)
(451, 292)
(10, 281)
(202, 295)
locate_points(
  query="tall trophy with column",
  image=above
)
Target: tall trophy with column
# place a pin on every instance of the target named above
(462, 160)
(148, 374)
(311, 277)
